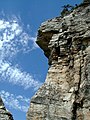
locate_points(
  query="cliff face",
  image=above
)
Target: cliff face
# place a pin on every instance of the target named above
(4, 114)
(65, 95)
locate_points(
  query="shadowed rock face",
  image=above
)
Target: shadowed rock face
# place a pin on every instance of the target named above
(4, 114)
(86, 1)
(1, 102)
(65, 95)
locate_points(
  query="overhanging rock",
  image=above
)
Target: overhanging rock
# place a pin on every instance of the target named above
(65, 95)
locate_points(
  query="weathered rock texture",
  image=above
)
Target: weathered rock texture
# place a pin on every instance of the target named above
(4, 114)
(65, 95)
(86, 1)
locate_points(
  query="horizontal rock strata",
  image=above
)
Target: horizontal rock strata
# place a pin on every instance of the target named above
(65, 95)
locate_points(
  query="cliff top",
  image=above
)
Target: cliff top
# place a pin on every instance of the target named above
(74, 25)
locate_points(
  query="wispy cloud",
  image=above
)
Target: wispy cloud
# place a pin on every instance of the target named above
(15, 102)
(34, 42)
(17, 77)
(13, 40)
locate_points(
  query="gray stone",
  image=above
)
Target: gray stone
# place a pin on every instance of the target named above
(4, 113)
(65, 95)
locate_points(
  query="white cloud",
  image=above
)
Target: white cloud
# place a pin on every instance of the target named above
(17, 77)
(13, 39)
(34, 42)
(15, 102)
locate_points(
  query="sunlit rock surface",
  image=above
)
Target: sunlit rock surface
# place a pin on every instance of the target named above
(4, 114)
(65, 95)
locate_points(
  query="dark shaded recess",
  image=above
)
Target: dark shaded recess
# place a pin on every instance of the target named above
(69, 43)
(43, 40)
(77, 103)
(86, 1)
(1, 102)
(74, 111)
(58, 50)
(63, 118)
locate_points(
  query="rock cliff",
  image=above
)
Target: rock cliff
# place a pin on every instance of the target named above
(65, 95)
(4, 114)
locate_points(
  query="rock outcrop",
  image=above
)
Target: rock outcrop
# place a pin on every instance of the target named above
(65, 95)
(86, 1)
(4, 114)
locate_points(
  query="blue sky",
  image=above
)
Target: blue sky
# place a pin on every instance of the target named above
(23, 66)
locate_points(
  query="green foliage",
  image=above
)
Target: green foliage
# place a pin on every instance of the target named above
(68, 9)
